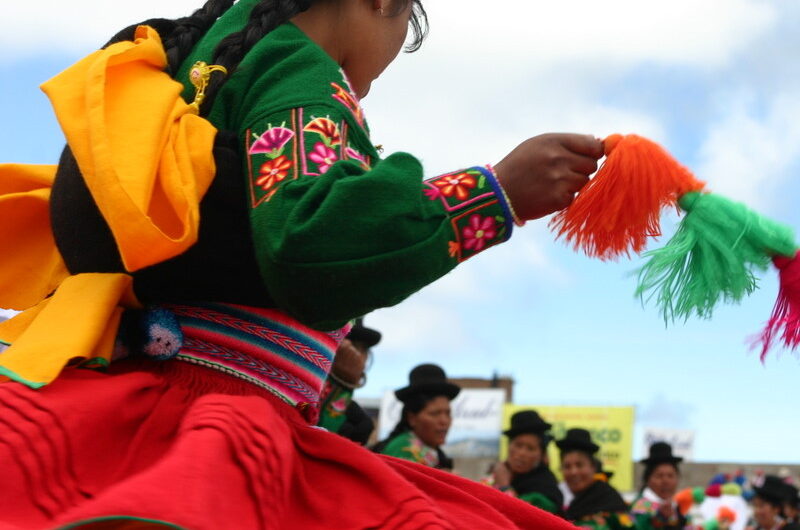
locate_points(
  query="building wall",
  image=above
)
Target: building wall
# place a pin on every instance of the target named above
(700, 474)
(692, 473)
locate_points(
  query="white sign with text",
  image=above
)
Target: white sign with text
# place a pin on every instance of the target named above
(682, 441)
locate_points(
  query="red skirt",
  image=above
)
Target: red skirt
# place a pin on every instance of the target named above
(155, 445)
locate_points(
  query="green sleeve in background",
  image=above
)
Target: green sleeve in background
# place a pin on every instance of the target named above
(540, 501)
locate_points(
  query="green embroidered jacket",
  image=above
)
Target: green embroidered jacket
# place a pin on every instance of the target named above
(338, 231)
(408, 446)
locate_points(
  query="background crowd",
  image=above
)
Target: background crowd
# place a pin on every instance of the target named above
(583, 495)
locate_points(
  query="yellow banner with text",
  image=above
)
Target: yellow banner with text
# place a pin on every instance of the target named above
(611, 428)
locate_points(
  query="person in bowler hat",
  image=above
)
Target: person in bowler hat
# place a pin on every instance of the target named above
(525, 474)
(339, 413)
(768, 504)
(655, 506)
(595, 504)
(425, 419)
(791, 507)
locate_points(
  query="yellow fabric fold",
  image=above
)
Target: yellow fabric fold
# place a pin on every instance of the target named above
(147, 159)
(31, 267)
(146, 156)
(72, 324)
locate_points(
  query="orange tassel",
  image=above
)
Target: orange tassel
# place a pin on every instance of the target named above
(621, 206)
(685, 499)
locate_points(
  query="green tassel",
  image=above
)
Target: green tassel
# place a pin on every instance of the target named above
(712, 257)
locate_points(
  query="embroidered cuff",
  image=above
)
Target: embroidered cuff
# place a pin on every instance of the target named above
(478, 210)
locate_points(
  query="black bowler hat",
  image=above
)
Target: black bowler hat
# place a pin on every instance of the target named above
(527, 422)
(773, 490)
(361, 333)
(427, 379)
(661, 453)
(792, 495)
(578, 439)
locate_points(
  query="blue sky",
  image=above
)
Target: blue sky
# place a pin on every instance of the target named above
(717, 82)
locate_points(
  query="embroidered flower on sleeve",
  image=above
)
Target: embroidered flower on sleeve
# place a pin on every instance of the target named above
(352, 154)
(456, 185)
(327, 129)
(479, 232)
(323, 156)
(272, 142)
(273, 171)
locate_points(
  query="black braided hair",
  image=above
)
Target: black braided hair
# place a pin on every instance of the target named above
(189, 30)
(268, 15)
(265, 17)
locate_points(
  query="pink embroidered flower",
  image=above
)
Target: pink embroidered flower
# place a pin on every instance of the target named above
(458, 185)
(273, 171)
(325, 128)
(323, 156)
(355, 155)
(272, 141)
(478, 232)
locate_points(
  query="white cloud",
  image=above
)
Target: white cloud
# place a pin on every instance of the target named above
(748, 154)
(423, 324)
(697, 32)
(694, 32)
(661, 411)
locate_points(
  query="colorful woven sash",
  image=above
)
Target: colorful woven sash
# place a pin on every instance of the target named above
(264, 347)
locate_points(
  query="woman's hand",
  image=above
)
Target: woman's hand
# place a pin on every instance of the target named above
(544, 173)
(666, 509)
(502, 475)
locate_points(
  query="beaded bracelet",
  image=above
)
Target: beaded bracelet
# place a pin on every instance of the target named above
(517, 220)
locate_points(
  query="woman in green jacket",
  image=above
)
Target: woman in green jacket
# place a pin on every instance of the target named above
(425, 419)
(655, 507)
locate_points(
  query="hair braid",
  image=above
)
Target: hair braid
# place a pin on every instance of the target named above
(189, 30)
(265, 17)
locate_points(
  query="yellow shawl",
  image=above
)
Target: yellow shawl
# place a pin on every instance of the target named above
(147, 159)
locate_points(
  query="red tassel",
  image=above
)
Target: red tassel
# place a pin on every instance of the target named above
(785, 319)
(621, 206)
